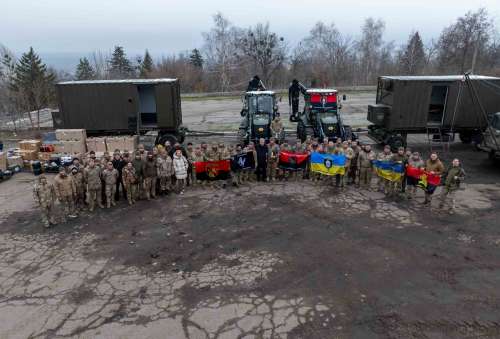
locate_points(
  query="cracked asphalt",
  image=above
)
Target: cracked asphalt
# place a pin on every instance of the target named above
(295, 259)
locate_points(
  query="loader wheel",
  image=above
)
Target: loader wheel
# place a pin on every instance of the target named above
(242, 139)
(162, 139)
(301, 131)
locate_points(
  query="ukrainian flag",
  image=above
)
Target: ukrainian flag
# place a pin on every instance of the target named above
(328, 164)
(389, 170)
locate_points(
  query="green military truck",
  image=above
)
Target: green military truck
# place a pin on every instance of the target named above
(129, 106)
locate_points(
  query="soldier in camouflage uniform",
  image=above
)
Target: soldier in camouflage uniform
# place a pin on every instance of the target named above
(110, 177)
(79, 179)
(400, 158)
(150, 175)
(272, 163)
(45, 195)
(349, 154)
(130, 182)
(92, 174)
(365, 166)
(165, 172)
(384, 184)
(189, 156)
(198, 156)
(66, 192)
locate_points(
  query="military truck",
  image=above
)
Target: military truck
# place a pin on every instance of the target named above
(438, 106)
(321, 117)
(108, 107)
(259, 110)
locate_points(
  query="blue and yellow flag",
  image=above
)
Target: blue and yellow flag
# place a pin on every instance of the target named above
(328, 164)
(389, 170)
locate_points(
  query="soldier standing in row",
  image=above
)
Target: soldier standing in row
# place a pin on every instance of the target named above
(165, 172)
(365, 166)
(66, 192)
(130, 182)
(45, 195)
(110, 177)
(150, 173)
(454, 177)
(349, 154)
(139, 164)
(92, 176)
(274, 151)
(277, 128)
(79, 179)
(262, 158)
(384, 184)
(399, 158)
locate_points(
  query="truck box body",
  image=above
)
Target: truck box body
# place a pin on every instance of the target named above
(413, 103)
(103, 106)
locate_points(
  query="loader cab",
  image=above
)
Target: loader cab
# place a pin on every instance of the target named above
(321, 105)
(259, 110)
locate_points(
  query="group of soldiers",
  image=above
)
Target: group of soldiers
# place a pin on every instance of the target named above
(170, 168)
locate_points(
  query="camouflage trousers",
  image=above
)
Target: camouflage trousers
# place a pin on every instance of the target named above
(165, 183)
(67, 204)
(365, 176)
(150, 187)
(93, 196)
(110, 191)
(447, 198)
(80, 197)
(47, 214)
(131, 193)
(272, 169)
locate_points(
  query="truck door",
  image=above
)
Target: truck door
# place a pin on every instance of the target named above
(437, 105)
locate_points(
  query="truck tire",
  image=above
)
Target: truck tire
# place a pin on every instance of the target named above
(465, 137)
(395, 141)
(301, 131)
(162, 138)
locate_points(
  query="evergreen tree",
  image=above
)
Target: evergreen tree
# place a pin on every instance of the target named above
(84, 70)
(146, 65)
(196, 59)
(412, 57)
(33, 82)
(119, 65)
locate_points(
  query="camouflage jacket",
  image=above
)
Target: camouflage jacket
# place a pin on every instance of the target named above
(93, 177)
(64, 186)
(110, 177)
(44, 195)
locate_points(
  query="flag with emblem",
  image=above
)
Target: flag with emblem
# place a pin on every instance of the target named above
(389, 170)
(328, 164)
(242, 161)
(212, 170)
(292, 161)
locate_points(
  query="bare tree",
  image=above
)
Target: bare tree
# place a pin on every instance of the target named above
(461, 43)
(369, 49)
(412, 58)
(219, 48)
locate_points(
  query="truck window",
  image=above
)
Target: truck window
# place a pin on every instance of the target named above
(385, 90)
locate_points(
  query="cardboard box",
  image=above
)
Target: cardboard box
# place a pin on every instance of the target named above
(114, 143)
(96, 144)
(28, 155)
(15, 160)
(59, 148)
(130, 143)
(30, 145)
(72, 146)
(71, 134)
(3, 161)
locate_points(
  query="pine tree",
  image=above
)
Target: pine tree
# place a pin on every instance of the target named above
(84, 70)
(412, 57)
(119, 65)
(196, 59)
(146, 65)
(33, 82)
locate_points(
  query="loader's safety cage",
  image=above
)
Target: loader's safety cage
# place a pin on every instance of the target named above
(322, 100)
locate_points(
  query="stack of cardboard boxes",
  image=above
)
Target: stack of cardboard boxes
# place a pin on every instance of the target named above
(28, 149)
(3, 161)
(110, 144)
(71, 142)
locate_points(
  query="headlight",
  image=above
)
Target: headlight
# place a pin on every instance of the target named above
(330, 128)
(260, 129)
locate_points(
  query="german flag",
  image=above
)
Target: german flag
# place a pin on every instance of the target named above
(292, 161)
(212, 170)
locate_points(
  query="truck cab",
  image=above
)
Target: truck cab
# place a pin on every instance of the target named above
(259, 110)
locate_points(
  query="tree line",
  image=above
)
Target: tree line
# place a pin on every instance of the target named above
(231, 55)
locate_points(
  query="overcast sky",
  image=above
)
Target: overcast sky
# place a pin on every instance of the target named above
(168, 26)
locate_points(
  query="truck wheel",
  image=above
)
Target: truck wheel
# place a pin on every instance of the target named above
(465, 138)
(395, 142)
(163, 138)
